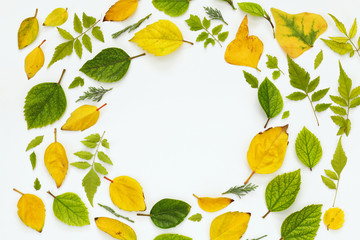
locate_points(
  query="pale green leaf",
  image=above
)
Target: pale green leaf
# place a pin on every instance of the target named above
(353, 30)
(345, 84)
(61, 51)
(98, 34)
(355, 92)
(173, 8)
(308, 148)
(77, 24)
(339, 24)
(171, 236)
(339, 39)
(341, 48)
(78, 81)
(223, 36)
(252, 9)
(272, 62)
(347, 127)
(322, 107)
(196, 217)
(84, 155)
(37, 184)
(339, 100)
(270, 98)
(318, 59)
(299, 78)
(331, 174)
(89, 144)
(206, 23)
(313, 84)
(100, 169)
(87, 20)
(208, 41)
(103, 157)
(339, 159)
(35, 142)
(355, 102)
(90, 183)
(194, 23)
(328, 182)
(86, 40)
(95, 138)
(338, 120)
(276, 75)
(317, 96)
(296, 96)
(202, 37)
(65, 34)
(78, 48)
(33, 160)
(338, 110)
(251, 79)
(105, 143)
(81, 165)
(285, 115)
(216, 30)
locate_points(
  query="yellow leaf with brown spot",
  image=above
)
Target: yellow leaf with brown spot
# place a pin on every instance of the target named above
(34, 61)
(121, 10)
(213, 204)
(244, 50)
(127, 194)
(28, 31)
(229, 226)
(56, 18)
(334, 218)
(296, 33)
(115, 228)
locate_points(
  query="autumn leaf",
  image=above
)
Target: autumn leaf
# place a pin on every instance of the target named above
(213, 204)
(56, 18)
(296, 33)
(115, 228)
(244, 50)
(334, 218)
(121, 10)
(229, 226)
(28, 31)
(34, 61)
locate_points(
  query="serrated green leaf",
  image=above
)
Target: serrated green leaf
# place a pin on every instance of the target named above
(302, 225)
(355, 92)
(35, 142)
(272, 62)
(223, 36)
(194, 23)
(86, 40)
(281, 192)
(217, 29)
(322, 107)
(103, 157)
(77, 24)
(173, 8)
(308, 148)
(84, 155)
(78, 81)
(69, 209)
(285, 115)
(345, 84)
(339, 39)
(339, 100)
(338, 110)
(206, 23)
(61, 51)
(90, 183)
(196, 217)
(296, 96)
(339, 159)
(270, 98)
(89, 144)
(313, 84)
(338, 120)
(318, 59)
(87, 20)
(45, 103)
(105, 143)
(202, 37)
(33, 160)
(339, 24)
(251, 79)
(171, 236)
(100, 169)
(299, 78)
(353, 30)
(252, 8)
(95, 138)
(276, 75)
(78, 48)
(331, 174)
(208, 41)
(317, 96)
(355, 102)
(110, 65)
(81, 165)
(65, 34)
(340, 48)
(328, 182)
(37, 184)
(98, 34)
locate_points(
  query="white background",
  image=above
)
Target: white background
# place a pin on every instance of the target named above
(179, 124)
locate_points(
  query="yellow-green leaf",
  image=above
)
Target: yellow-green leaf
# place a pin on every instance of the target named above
(56, 18)
(28, 31)
(34, 61)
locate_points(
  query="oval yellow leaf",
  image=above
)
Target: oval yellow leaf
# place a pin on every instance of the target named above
(244, 50)
(334, 218)
(121, 10)
(229, 226)
(82, 118)
(56, 18)
(160, 38)
(115, 228)
(296, 33)
(127, 194)
(34, 61)
(213, 204)
(31, 211)
(28, 31)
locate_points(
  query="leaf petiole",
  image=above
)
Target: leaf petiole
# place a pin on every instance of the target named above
(62, 74)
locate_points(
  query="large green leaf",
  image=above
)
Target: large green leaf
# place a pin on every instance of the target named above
(270, 98)
(90, 183)
(308, 148)
(45, 103)
(339, 159)
(170, 236)
(173, 8)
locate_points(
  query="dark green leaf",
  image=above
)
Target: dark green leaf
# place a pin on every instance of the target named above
(299, 78)
(173, 8)
(223, 36)
(105, 143)
(318, 59)
(103, 157)
(33, 160)
(206, 23)
(251, 79)
(313, 84)
(37, 184)
(272, 62)
(322, 107)
(100, 169)
(171, 236)
(196, 217)
(65, 34)
(61, 51)
(98, 34)
(78, 81)
(81, 165)
(252, 8)
(340, 48)
(308, 148)
(276, 75)
(35, 142)
(328, 182)
(331, 174)
(296, 96)
(230, 2)
(202, 37)
(84, 155)
(339, 100)
(270, 98)
(338, 110)
(217, 29)
(90, 183)
(89, 144)
(317, 96)
(339, 159)
(194, 23)
(285, 115)
(77, 24)
(87, 20)
(78, 48)
(355, 102)
(86, 40)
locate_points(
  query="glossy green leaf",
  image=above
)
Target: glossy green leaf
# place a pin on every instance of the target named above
(81, 165)
(270, 98)
(78, 81)
(173, 8)
(170, 236)
(35, 142)
(318, 59)
(251, 79)
(339, 159)
(90, 183)
(296, 96)
(308, 148)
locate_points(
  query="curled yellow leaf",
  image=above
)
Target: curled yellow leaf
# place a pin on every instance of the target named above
(28, 31)
(34, 61)
(56, 18)
(121, 10)
(229, 226)
(244, 50)
(127, 194)
(213, 204)
(334, 218)
(115, 228)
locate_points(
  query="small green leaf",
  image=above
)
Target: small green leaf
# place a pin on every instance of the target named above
(87, 20)
(223, 36)
(339, 159)
(171, 236)
(318, 59)
(322, 107)
(285, 115)
(217, 29)
(95, 138)
(308, 148)
(296, 96)
(347, 127)
(103, 157)
(270, 98)
(252, 8)
(86, 40)
(353, 30)
(355, 92)
(61, 51)
(338, 110)
(100, 169)
(78, 48)
(202, 37)
(194, 23)
(345, 84)
(339, 24)
(328, 182)
(77, 24)
(355, 102)
(33, 160)
(173, 8)
(105, 143)
(65, 34)
(37, 184)
(251, 79)
(299, 78)
(89, 144)
(206, 23)
(208, 41)
(84, 155)
(276, 75)
(272, 62)
(339, 39)
(81, 165)
(78, 81)
(331, 174)
(196, 217)
(313, 85)
(339, 100)
(90, 183)
(338, 120)
(340, 48)
(317, 96)
(35, 142)
(98, 34)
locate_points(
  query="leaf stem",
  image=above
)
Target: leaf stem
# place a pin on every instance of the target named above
(143, 215)
(272, 25)
(36, 12)
(267, 122)
(108, 179)
(88, 29)
(17, 191)
(62, 74)
(42, 43)
(312, 106)
(51, 194)
(188, 42)
(337, 187)
(97, 147)
(212, 36)
(356, 49)
(140, 55)
(247, 180)
(101, 108)
(195, 196)
(266, 214)
(55, 135)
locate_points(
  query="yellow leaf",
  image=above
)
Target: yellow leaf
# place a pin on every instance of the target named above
(121, 10)
(334, 218)
(56, 18)
(115, 228)
(296, 33)
(127, 194)
(28, 31)
(213, 204)
(56, 161)
(244, 50)
(267, 150)
(229, 226)
(34, 61)
(82, 118)
(160, 38)
(31, 211)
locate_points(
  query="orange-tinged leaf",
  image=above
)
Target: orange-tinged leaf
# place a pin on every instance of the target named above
(213, 204)
(296, 33)
(28, 31)
(229, 226)
(244, 50)
(34, 61)
(115, 228)
(82, 118)
(121, 10)
(127, 194)
(334, 218)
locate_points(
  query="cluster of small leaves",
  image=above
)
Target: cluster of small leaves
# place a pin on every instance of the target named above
(196, 217)
(344, 45)
(112, 211)
(348, 98)
(66, 48)
(241, 191)
(272, 63)
(214, 14)
(208, 37)
(131, 27)
(300, 79)
(94, 94)
(78, 81)
(91, 181)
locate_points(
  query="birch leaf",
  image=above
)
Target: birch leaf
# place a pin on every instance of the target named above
(213, 204)
(229, 226)
(173, 8)
(82, 118)
(34, 61)
(115, 228)
(308, 148)
(56, 18)
(121, 10)
(28, 31)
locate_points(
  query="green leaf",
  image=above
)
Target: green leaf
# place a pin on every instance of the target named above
(270, 98)
(196, 217)
(214, 14)
(347, 127)
(328, 182)
(318, 59)
(202, 37)
(339, 39)
(78, 81)
(281, 192)
(45, 103)
(345, 84)
(272, 62)
(338, 110)
(217, 29)
(105, 143)
(95, 138)
(87, 20)
(110, 65)
(100, 169)
(230, 2)
(223, 36)
(296, 96)
(98, 34)
(285, 115)
(33, 160)
(168, 213)
(208, 41)
(37, 184)
(206, 23)
(194, 23)
(317, 96)
(170, 236)
(355, 102)
(65, 34)
(103, 157)
(78, 48)
(339, 100)
(81, 165)
(90, 183)
(86, 40)
(299, 78)
(35, 142)
(77, 24)
(61, 51)
(69, 209)
(355, 92)
(241, 191)
(252, 8)
(276, 75)
(313, 84)
(302, 225)
(353, 30)
(308, 148)
(331, 174)
(339, 159)
(339, 24)
(84, 155)
(112, 211)
(173, 8)
(338, 120)
(322, 107)
(89, 144)
(340, 48)
(251, 79)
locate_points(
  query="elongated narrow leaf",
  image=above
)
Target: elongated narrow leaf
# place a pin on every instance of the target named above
(308, 148)
(339, 159)
(81, 165)
(84, 155)
(90, 183)
(33, 160)
(318, 95)
(331, 174)
(296, 96)
(87, 20)
(322, 107)
(100, 169)
(313, 84)
(338, 110)
(340, 48)
(339, 100)
(78, 48)
(339, 24)
(345, 84)
(97, 33)
(355, 102)
(65, 34)
(35, 142)
(318, 59)
(86, 40)
(270, 98)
